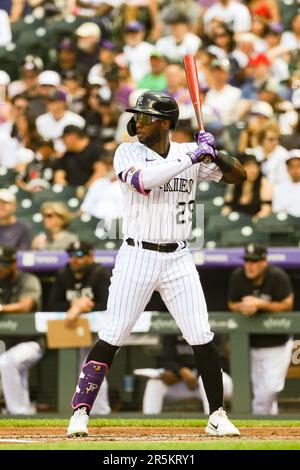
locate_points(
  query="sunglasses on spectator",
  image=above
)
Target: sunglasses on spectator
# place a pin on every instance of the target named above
(271, 139)
(145, 119)
(49, 215)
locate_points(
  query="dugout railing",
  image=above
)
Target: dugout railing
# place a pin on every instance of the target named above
(235, 326)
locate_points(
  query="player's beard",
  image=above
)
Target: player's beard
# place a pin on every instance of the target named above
(150, 140)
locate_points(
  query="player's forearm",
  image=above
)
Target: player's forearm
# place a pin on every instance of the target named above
(155, 176)
(233, 171)
(147, 178)
(276, 307)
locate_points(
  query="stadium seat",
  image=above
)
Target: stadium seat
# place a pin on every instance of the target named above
(209, 190)
(280, 228)
(242, 236)
(219, 223)
(7, 177)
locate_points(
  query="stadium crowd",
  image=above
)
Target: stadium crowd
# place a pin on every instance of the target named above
(68, 70)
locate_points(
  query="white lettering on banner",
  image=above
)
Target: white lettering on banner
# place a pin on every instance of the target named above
(8, 325)
(280, 323)
(227, 324)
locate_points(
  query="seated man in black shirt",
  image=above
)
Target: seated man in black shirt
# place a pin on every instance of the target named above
(178, 378)
(78, 165)
(255, 288)
(82, 287)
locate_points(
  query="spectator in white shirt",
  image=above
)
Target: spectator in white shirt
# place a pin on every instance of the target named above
(181, 42)
(104, 197)
(137, 51)
(287, 195)
(271, 155)
(52, 124)
(5, 31)
(233, 13)
(222, 97)
(291, 39)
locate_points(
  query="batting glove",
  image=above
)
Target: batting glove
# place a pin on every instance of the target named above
(203, 152)
(205, 138)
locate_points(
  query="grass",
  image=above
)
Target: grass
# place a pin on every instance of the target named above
(215, 445)
(168, 423)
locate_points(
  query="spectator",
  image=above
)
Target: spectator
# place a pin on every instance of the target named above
(287, 195)
(234, 14)
(270, 154)
(5, 30)
(137, 51)
(266, 9)
(254, 196)
(49, 81)
(31, 67)
(181, 41)
(13, 232)
(156, 79)
(260, 113)
(82, 287)
(107, 54)
(253, 289)
(78, 166)
(19, 293)
(56, 236)
(258, 73)
(104, 198)
(177, 89)
(19, 106)
(291, 39)
(177, 379)
(38, 174)
(4, 105)
(52, 124)
(73, 86)
(88, 39)
(222, 97)
(67, 58)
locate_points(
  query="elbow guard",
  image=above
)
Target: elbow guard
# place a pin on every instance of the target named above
(133, 178)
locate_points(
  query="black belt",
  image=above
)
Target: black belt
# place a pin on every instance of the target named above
(161, 247)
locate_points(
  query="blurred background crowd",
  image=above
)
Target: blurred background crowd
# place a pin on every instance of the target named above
(69, 68)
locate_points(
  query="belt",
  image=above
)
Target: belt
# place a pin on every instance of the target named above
(161, 247)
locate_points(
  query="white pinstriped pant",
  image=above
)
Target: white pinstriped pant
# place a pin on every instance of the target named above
(136, 275)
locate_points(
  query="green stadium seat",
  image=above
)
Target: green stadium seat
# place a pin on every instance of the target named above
(209, 190)
(219, 223)
(7, 177)
(242, 236)
(281, 229)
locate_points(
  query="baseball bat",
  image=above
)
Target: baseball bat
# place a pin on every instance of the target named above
(192, 79)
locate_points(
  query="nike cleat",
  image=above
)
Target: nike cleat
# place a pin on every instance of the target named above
(78, 426)
(219, 425)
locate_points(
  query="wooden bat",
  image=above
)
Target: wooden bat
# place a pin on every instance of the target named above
(191, 72)
(192, 78)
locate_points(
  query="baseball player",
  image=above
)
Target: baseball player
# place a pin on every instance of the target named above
(158, 180)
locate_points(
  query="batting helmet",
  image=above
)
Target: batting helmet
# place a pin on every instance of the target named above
(156, 104)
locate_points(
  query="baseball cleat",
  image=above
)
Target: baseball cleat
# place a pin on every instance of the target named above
(78, 426)
(219, 425)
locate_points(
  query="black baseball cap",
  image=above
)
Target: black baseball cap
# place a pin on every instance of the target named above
(255, 252)
(8, 255)
(80, 248)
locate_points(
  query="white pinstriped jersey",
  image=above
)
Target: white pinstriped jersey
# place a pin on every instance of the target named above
(165, 215)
